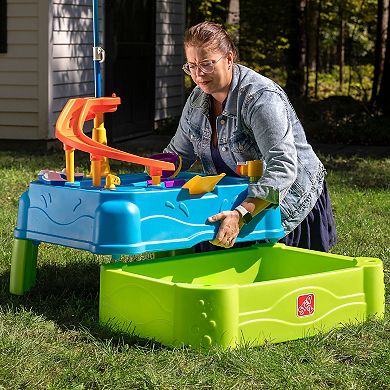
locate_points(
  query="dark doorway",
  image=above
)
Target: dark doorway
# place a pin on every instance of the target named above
(130, 66)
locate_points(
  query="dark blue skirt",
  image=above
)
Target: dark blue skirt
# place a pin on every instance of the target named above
(317, 231)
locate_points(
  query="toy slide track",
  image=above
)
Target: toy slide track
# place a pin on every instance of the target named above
(69, 130)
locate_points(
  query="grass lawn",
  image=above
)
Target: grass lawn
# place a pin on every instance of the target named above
(50, 338)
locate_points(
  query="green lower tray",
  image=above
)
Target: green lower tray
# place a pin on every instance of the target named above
(240, 296)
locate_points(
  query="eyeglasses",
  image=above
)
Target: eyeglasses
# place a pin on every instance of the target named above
(206, 66)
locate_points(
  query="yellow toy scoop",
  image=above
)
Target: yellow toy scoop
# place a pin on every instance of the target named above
(201, 184)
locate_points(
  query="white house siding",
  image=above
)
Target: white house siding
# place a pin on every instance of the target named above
(70, 48)
(23, 71)
(170, 26)
(49, 60)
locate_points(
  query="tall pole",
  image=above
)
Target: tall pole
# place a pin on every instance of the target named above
(96, 47)
(99, 165)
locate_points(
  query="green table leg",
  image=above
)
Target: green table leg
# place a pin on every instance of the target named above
(23, 266)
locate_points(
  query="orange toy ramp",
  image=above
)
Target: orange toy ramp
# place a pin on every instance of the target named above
(69, 130)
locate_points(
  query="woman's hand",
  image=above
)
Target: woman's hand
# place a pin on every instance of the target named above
(229, 229)
(231, 221)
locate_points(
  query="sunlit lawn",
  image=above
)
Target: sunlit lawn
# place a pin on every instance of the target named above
(50, 338)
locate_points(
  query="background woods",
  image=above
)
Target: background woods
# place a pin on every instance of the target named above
(332, 57)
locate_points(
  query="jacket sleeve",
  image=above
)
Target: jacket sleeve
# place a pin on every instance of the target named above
(266, 114)
(181, 143)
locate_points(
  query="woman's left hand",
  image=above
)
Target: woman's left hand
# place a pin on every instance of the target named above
(229, 229)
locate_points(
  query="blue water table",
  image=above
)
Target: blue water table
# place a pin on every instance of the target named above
(265, 292)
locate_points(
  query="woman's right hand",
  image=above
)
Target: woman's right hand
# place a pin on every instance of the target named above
(229, 228)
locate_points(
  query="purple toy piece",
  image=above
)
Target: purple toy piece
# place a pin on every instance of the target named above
(174, 183)
(168, 157)
(169, 183)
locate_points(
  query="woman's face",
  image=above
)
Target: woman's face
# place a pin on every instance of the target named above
(217, 82)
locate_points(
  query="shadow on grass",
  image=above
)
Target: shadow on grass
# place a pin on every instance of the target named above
(69, 296)
(342, 120)
(359, 172)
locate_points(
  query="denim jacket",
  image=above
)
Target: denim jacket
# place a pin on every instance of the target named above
(257, 123)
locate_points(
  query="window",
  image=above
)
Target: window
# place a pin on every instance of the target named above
(3, 26)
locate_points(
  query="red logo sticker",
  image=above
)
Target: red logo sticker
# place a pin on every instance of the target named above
(305, 305)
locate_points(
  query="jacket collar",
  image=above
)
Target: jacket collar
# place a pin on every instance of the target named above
(201, 100)
(231, 101)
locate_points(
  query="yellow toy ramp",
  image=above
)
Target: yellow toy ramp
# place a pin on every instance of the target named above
(201, 184)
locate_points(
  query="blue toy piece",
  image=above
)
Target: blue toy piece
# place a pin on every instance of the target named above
(47, 176)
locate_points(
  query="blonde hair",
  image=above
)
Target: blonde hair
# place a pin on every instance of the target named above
(212, 36)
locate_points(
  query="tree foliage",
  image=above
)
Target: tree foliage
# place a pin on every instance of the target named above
(338, 42)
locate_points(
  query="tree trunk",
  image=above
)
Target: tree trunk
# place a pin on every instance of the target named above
(311, 29)
(308, 51)
(233, 19)
(385, 22)
(384, 92)
(311, 18)
(341, 45)
(380, 46)
(295, 85)
(234, 12)
(318, 32)
(352, 60)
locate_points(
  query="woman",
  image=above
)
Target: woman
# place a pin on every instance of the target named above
(234, 114)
